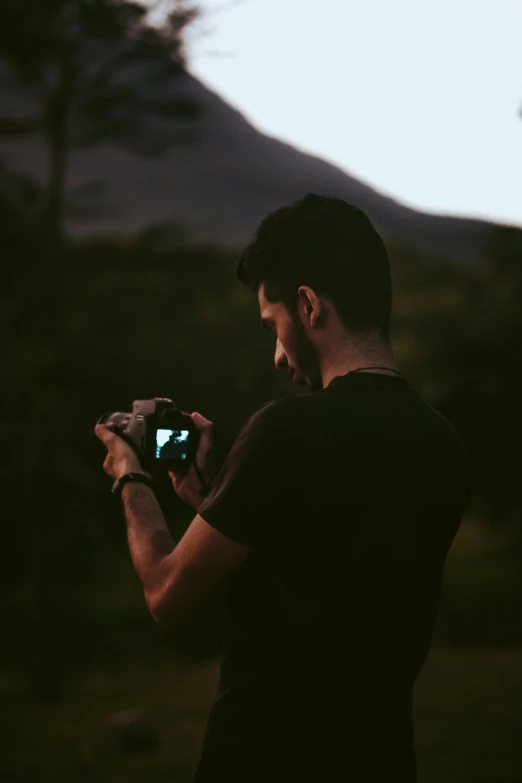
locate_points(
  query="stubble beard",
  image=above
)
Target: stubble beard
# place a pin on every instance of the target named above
(308, 372)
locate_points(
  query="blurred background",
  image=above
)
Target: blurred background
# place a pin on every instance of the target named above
(140, 145)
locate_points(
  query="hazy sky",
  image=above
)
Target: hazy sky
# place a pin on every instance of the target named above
(419, 98)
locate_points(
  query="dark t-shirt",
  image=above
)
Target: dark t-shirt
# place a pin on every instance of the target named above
(350, 497)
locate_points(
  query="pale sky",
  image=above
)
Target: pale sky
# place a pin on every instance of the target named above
(419, 98)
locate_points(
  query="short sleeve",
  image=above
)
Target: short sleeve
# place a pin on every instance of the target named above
(253, 482)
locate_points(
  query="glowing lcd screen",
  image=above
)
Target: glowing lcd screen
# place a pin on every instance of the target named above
(172, 444)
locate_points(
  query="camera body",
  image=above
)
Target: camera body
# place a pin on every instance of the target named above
(161, 435)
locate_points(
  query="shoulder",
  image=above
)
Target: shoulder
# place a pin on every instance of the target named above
(267, 413)
(275, 416)
(291, 412)
(272, 426)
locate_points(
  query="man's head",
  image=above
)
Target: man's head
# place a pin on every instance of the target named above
(322, 277)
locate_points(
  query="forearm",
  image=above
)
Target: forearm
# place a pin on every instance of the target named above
(150, 541)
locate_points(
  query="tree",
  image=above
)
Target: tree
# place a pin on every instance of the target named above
(459, 329)
(92, 71)
(83, 72)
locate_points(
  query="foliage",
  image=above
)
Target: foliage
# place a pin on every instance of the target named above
(459, 330)
(88, 326)
(156, 314)
(91, 71)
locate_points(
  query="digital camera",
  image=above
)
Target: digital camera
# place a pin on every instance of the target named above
(158, 432)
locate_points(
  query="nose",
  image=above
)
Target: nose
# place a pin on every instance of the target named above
(280, 359)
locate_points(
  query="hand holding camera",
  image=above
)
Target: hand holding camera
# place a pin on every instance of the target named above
(193, 483)
(161, 439)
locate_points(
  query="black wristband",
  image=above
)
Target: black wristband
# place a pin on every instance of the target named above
(138, 477)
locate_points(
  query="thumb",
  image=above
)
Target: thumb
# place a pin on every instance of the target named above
(201, 422)
(206, 428)
(205, 456)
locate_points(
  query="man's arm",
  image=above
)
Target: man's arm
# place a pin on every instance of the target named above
(231, 521)
(150, 541)
(239, 508)
(176, 578)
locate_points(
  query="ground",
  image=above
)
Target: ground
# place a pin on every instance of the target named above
(468, 719)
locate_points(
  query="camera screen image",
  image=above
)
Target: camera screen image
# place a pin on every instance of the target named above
(172, 444)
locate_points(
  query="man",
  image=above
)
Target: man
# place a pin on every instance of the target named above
(331, 519)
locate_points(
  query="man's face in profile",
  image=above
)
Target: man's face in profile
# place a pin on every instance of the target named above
(295, 352)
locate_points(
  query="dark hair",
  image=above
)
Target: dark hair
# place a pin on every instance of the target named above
(332, 247)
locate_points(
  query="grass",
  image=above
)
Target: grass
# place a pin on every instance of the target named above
(468, 719)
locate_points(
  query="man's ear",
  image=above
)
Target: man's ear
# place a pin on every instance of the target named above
(311, 303)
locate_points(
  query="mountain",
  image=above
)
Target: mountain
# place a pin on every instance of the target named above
(222, 185)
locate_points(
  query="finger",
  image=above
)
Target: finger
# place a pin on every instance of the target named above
(202, 424)
(205, 457)
(185, 478)
(174, 475)
(176, 478)
(176, 469)
(206, 440)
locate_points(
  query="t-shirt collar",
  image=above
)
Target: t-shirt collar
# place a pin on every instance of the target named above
(373, 378)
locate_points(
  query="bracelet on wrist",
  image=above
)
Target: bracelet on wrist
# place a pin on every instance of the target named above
(136, 477)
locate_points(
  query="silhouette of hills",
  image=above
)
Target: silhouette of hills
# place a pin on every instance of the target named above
(222, 185)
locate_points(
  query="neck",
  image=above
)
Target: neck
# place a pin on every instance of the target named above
(358, 353)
